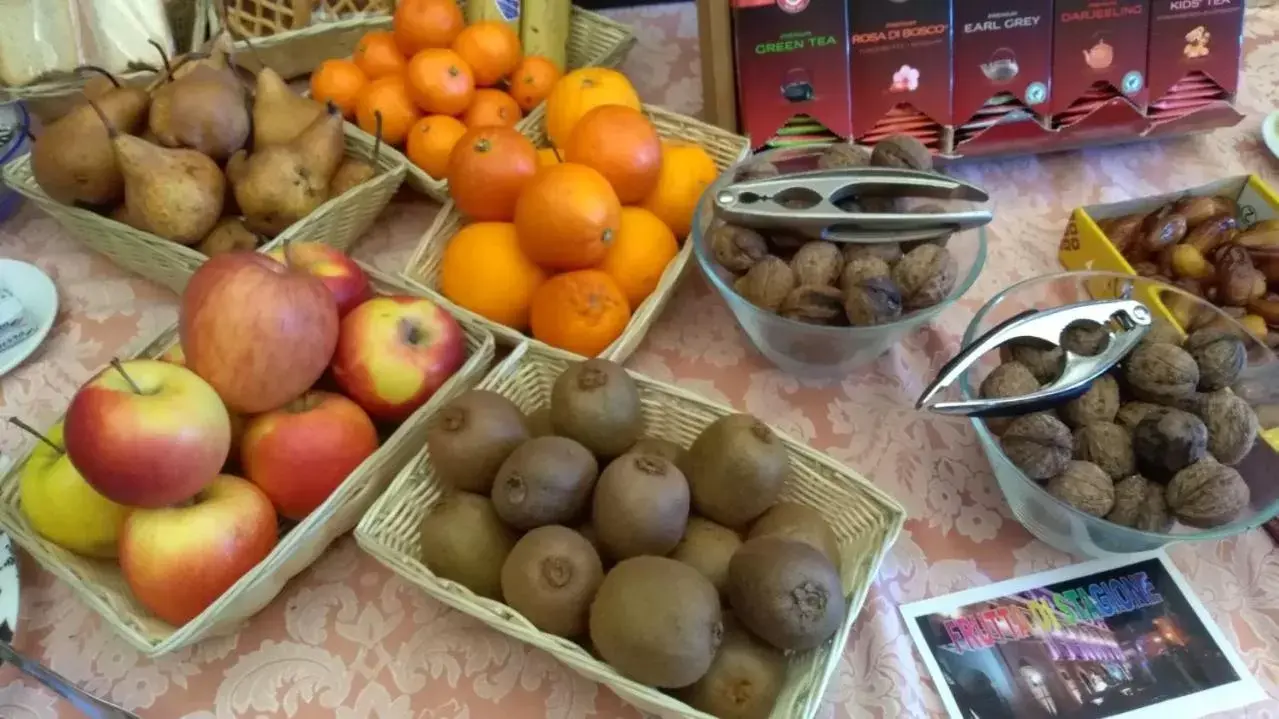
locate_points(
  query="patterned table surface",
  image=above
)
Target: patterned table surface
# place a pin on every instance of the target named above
(348, 640)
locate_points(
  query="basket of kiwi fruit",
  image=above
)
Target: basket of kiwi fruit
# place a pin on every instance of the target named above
(689, 557)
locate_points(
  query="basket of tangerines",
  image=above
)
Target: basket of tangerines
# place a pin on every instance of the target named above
(571, 228)
(439, 70)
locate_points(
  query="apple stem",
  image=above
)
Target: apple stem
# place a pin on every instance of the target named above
(411, 332)
(119, 367)
(284, 251)
(34, 433)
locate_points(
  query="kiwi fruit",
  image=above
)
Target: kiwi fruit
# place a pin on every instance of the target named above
(656, 621)
(550, 577)
(640, 506)
(708, 547)
(744, 680)
(736, 469)
(800, 523)
(597, 403)
(546, 480)
(786, 592)
(539, 423)
(465, 541)
(659, 447)
(587, 530)
(472, 436)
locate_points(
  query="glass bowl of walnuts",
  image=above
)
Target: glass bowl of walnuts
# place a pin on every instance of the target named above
(824, 309)
(1176, 442)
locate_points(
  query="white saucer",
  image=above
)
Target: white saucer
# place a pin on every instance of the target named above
(8, 589)
(39, 297)
(1270, 133)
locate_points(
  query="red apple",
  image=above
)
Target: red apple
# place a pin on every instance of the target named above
(338, 272)
(300, 453)
(260, 332)
(147, 433)
(179, 560)
(394, 352)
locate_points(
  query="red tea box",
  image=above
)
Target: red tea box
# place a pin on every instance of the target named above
(792, 61)
(900, 58)
(1003, 48)
(1099, 42)
(1189, 37)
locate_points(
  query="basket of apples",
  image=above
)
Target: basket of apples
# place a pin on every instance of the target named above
(187, 484)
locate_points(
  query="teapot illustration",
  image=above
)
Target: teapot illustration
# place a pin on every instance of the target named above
(1100, 55)
(1001, 67)
(796, 87)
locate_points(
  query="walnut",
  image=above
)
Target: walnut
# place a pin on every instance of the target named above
(1085, 339)
(767, 283)
(786, 244)
(869, 203)
(756, 170)
(1131, 413)
(1010, 379)
(843, 154)
(1161, 330)
(1160, 372)
(1108, 446)
(863, 267)
(1084, 486)
(1039, 444)
(1221, 356)
(890, 252)
(1232, 425)
(1207, 494)
(903, 152)
(876, 301)
(1167, 442)
(926, 275)
(1139, 503)
(1044, 360)
(817, 263)
(737, 249)
(815, 304)
(1099, 404)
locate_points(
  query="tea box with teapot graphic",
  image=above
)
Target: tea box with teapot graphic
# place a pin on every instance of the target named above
(1003, 60)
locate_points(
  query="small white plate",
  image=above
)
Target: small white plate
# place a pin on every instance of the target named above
(39, 297)
(8, 589)
(1270, 133)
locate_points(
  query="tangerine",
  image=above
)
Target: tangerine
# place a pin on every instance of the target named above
(491, 48)
(579, 92)
(532, 81)
(567, 217)
(339, 82)
(488, 170)
(547, 156)
(440, 82)
(623, 145)
(484, 271)
(492, 107)
(431, 141)
(640, 252)
(583, 312)
(419, 24)
(685, 174)
(378, 56)
(388, 95)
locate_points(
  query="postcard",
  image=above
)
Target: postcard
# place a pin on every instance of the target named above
(1112, 638)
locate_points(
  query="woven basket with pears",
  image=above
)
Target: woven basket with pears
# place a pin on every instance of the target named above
(174, 182)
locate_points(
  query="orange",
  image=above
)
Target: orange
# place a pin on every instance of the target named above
(339, 82)
(566, 217)
(419, 24)
(377, 55)
(582, 312)
(622, 144)
(686, 173)
(492, 107)
(532, 81)
(640, 252)
(440, 82)
(390, 96)
(581, 91)
(431, 141)
(547, 156)
(491, 48)
(488, 170)
(484, 271)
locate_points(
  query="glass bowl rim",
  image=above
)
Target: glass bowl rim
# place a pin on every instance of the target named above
(19, 140)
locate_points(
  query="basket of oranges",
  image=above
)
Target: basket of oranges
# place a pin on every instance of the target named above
(570, 229)
(431, 75)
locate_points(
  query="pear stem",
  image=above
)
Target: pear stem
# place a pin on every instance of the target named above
(377, 139)
(35, 433)
(118, 366)
(164, 56)
(101, 71)
(189, 57)
(252, 49)
(111, 131)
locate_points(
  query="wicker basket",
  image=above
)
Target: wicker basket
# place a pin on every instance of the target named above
(724, 147)
(338, 222)
(865, 520)
(100, 585)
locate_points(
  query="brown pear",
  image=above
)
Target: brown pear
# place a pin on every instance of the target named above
(174, 193)
(73, 160)
(281, 184)
(279, 113)
(206, 111)
(354, 171)
(230, 235)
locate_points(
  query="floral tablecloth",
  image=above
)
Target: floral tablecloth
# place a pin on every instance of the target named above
(347, 639)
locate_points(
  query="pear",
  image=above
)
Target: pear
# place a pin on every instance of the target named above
(230, 235)
(73, 160)
(353, 171)
(280, 184)
(174, 193)
(279, 113)
(202, 108)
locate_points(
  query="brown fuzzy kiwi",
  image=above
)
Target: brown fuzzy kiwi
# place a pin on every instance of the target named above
(786, 592)
(588, 532)
(597, 403)
(465, 541)
(640, 506)
(659, 447)
(736, 469)
(708, 547)
(546, 480)
(472, 436)
(744, 680)
(657, 621)
(551, 577)
(801, 523)
(539, 422)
